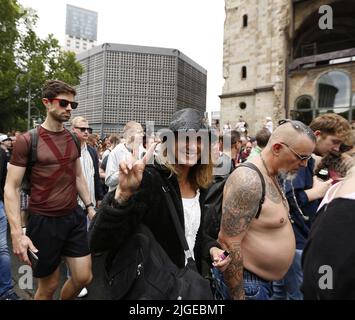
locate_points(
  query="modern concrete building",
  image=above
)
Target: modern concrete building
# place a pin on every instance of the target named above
(288, 58)
(127, 82)
(80, 29)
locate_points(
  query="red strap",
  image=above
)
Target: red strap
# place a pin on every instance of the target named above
(63, 161)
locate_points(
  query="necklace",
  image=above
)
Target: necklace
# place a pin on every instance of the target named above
(278, 187)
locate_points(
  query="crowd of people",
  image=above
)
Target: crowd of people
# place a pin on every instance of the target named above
(261, 215)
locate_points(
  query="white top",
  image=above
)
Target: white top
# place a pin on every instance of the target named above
(269, 125)
(119, 153)
(329, 196)
(192, 218)
(89, 172)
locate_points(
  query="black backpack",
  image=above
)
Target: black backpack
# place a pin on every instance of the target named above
(32, 158)
(214, 198)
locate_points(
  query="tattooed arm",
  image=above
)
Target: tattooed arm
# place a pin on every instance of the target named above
(241, 197)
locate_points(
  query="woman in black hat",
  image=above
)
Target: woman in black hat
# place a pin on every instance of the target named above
(185, 164)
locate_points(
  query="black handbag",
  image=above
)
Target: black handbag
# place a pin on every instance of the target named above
(141, 269)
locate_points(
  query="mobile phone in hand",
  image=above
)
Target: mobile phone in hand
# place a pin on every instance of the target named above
(33, 258)
(224, 255)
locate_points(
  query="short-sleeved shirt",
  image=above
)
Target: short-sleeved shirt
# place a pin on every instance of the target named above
(53, 179)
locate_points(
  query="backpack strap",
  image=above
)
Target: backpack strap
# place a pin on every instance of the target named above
(77, 142)
(174, 216)
(255, 168)
(34, 142)
(33, 151)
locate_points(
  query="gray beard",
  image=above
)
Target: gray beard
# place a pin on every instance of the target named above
(284, 175)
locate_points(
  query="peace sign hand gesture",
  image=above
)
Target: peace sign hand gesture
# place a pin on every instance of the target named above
(131, 174)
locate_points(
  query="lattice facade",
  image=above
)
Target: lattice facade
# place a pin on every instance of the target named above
(123, 83)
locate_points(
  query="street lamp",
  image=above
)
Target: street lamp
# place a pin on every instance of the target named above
(37, 119)
(17, 91)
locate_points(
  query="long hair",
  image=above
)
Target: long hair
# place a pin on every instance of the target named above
(200, 175)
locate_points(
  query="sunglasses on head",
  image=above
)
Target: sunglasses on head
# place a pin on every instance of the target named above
(64, 103)
(83, 129)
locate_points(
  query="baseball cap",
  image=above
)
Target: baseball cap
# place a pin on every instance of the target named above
(4, 137)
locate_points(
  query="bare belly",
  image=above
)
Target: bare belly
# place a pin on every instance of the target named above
(269, 252)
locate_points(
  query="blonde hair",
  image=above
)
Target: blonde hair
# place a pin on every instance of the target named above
(128, 127)
(76, 120)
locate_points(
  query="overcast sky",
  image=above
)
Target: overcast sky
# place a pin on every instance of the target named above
(194, 27)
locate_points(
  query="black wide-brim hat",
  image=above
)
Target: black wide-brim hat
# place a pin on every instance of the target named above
(188, 119)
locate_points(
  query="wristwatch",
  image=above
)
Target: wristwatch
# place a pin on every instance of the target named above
(89, 205)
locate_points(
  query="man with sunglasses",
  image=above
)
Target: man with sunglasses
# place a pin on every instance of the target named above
(304, 191)
(257, 230)
(90, 165)
(56, 226)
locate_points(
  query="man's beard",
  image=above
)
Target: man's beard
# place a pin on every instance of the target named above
(284, 175)
(60, 118)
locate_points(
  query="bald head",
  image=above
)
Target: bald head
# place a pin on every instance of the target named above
(290, 132)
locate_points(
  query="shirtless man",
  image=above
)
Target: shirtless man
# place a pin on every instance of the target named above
(262, 249)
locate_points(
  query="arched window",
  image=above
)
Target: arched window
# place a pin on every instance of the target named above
(303, 110)
(244, 72)
(245, 20)
(334, 93)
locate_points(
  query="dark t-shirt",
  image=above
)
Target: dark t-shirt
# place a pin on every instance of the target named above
(329, 256)
(53, 180)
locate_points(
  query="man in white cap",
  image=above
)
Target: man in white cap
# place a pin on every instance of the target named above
(6, 144)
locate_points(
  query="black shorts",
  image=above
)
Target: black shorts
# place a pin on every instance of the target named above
(55, 237)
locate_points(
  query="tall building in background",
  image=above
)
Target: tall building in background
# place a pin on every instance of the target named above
(80, 29)
(278, 61)
(127, 82)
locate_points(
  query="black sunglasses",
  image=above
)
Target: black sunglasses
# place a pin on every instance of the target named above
(64, 103)
(83, 129)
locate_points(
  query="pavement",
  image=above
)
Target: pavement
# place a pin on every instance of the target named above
(97, 289)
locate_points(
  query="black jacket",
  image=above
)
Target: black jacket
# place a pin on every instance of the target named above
(148, 205)
(99, 194)
(329, 255)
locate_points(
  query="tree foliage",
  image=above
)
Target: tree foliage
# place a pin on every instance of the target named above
(26, 62)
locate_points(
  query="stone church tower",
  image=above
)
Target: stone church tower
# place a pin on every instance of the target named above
(279, 62)
(254, 59)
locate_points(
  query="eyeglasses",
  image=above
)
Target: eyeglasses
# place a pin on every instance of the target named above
(64, 103)
(301, 158)
(83, 129)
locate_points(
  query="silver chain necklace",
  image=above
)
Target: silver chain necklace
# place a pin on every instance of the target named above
(306, 218)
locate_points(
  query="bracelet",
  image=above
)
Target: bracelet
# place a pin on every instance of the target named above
(89, 205)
